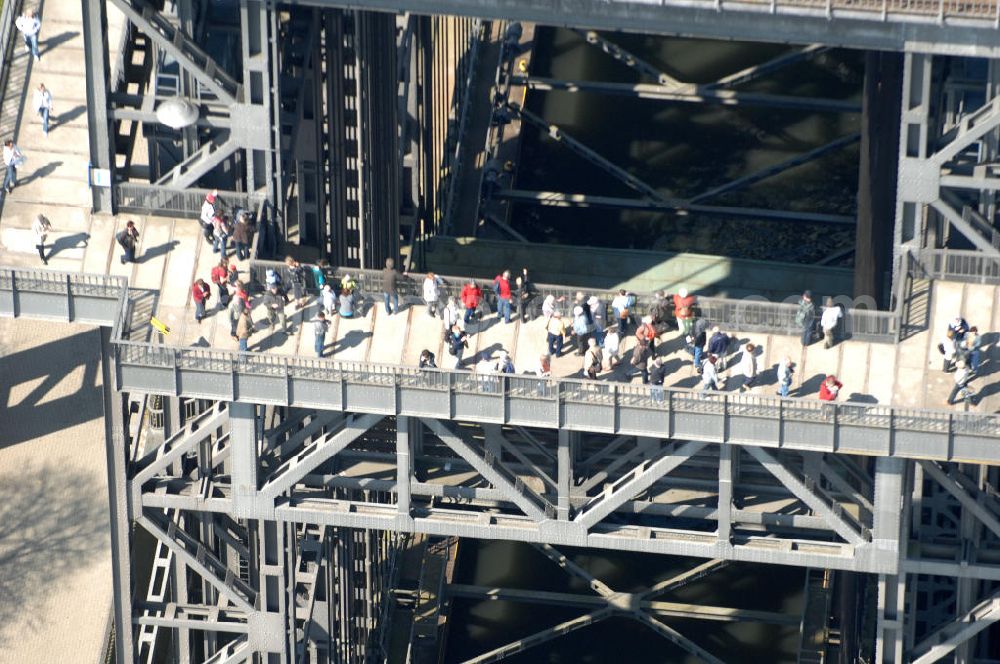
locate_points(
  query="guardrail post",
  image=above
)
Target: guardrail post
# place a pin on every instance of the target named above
(69, 300)
(725, 418)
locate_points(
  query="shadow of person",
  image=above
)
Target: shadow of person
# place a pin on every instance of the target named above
(157, 251)
(44, 171)
(857, 397)
(810, 387)
(352, 338)
(67, 116)
(52, 42)
(74, 241)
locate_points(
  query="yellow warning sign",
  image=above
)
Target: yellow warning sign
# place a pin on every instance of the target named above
(159, 325)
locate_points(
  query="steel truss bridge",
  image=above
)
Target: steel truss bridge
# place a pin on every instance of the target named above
(264, 477)
(268, 457)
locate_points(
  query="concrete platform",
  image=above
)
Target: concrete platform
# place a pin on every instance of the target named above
(55, 555)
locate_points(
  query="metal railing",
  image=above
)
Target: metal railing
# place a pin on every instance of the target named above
(747, 315)
(981, 13)
(968, 266)
(141, 198)
(559, 403)
(521, 400)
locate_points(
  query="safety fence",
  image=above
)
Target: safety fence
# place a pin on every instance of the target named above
(140, 198)
(746, 315)
(959, 12)
(525, 400)
(968, 266)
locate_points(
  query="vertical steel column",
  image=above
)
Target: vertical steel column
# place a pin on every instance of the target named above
(404, 464)
(890, 531)
(256, 21)
(116, 446)
(243, 457)
(564, 459)
(725, 507)
(95, 54)
(913, 138)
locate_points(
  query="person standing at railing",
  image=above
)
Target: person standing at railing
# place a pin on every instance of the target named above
(684, 310)
(829, 321)
(41, 227)
(524, 292)
(471, 296)
(42, 101)
(29, 26)
(426, 360)
(12, 158)
(432, 293)
(320, 327)
(657, 376)
(297, 275)
(221, 231)
(200, 293)
(555, 329)
(622, 305)
(830, 388)
(242, 236)
(128, 239)
(208, 213)
(390, 286)
(501, 287)
(805, 317)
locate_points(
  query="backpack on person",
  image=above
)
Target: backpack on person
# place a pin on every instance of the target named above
(122, 239)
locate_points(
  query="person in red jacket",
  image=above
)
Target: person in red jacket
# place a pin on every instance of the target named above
(646, 333)
(684, 311)
(471, 296)
(200, 293)
(501, 286)
(220, 277)
(830, 388)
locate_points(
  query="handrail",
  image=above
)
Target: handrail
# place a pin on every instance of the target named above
(519, 399)
(970, 266)
(144, 198)
(747, 315)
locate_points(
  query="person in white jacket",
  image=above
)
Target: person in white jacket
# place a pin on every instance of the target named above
(432, 292)
(29, 26)
(747, 366)
(709, 375)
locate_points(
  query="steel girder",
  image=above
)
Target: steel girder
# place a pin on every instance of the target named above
(489, 482)
(932, 158)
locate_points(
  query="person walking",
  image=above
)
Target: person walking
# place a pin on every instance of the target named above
(963, 376)
(220, 277)
(457, 342)
(748, 367)
(657, 376)
(555, 330)
(432, 293)
(274, 304)
(244, 328)
(235, 310)
(785, 372)
(684, 311)
(829, 321)
(709, 375)
(41, 228)
(200, 293)
(501, 286)
(390, 285)
(805, 317)
(612, 345)
(320, 327)
(645, 334)
(42, 102)
(718, 345)
(696, 342)
(830, 388)
(641, 353)
(583, 329)
(622, 306)
(128, 239)
(12, 158)
(593, 359)
(471, 296)
(450, 315)
(29, 26)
